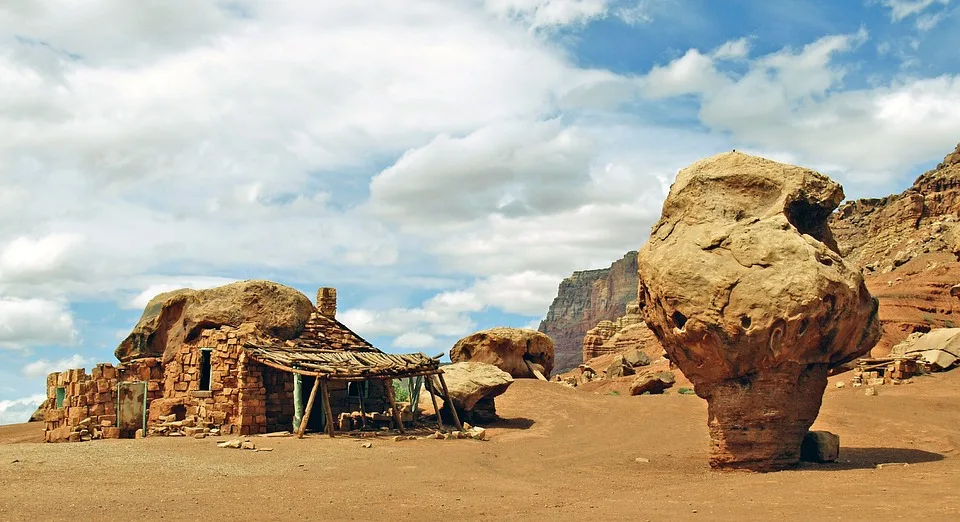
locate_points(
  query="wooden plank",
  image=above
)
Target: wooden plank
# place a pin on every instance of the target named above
(449, 401)
(306, 414)
(327, 408)
(393, 404)
(433, 398)
(535, 371)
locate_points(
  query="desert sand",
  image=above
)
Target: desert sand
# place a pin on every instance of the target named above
(559, 453)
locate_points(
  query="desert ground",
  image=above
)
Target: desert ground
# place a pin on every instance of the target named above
(559, 453)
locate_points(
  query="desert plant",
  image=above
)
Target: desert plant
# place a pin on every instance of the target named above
(401, 391)
(686, 391)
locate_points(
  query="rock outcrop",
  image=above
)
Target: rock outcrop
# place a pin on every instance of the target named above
(172, 318)
(652, 383)
(907, 244)
(473, 386)
(517, 351)
(744, 285)
(628, 332)
(584, 299)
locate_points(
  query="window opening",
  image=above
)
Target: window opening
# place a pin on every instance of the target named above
(61, 396)
(205, 369)
(357, 389)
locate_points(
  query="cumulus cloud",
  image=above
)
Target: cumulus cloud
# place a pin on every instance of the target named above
(35, 322)
(44, 367)
(29, 258)
(732, 49)
(19, 410)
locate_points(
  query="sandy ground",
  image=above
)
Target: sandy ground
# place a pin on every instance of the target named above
(562, 453)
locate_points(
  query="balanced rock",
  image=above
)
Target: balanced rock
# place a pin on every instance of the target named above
(172, 318)
(742, 282)
(652, 383)
(517, 351)
(472, 387)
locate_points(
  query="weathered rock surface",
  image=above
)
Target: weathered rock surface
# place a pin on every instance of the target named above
(509, 349)
(584, 299)
(907, 244)
(473, 386)
(743, 284)
(652, 383)
(172, 318)
(627, 332)
(820, 446)
(940, 347)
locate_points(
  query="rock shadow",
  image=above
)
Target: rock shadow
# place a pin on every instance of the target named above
(868, 458)
(517, 423)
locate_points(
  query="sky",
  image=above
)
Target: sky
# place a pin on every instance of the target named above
(443, 163)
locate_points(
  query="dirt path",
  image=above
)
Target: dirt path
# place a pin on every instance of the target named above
(563, 454)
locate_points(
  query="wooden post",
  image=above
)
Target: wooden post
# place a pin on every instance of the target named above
(393, 405)
(449, 401)
(536, 373)
(327, 408)
(428, 382)
(297, 400)
(363, 409)
(306, 415)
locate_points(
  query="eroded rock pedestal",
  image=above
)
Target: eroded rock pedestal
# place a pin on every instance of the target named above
(743, 284)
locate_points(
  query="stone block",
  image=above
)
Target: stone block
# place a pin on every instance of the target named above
(820, 446)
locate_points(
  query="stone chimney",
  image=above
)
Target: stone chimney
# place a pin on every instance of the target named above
(327, 302)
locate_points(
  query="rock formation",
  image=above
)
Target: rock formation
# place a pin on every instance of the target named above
(652, 383)
(473, 386)
(907, 245)
(517, 351)
(743, 284)
(584, 299)
(628, 332)
(172, 318)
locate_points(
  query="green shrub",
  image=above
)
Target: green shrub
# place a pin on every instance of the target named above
(686, 391)
(401, 391)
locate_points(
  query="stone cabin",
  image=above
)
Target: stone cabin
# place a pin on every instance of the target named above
(237, 383)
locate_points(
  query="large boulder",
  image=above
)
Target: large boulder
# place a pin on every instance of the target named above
(654, 383)
(172, 318)
(513, 350)
(472, 387)
(743, 284)
(939, 347)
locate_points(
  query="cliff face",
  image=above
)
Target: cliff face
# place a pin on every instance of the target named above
(584, 299)
(907, 245)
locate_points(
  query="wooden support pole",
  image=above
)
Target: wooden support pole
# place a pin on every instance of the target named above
(429, 383)
(449, 401)
(297, 400)
(364, 386)
(536, 373)
(306, 414)
(327, 408)
(393, 405)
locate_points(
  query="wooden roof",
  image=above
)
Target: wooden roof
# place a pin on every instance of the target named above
(330, 350)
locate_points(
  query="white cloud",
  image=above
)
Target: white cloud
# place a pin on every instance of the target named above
(44, 367)
(415, 340)
(901, 9)
(33, 322)
(550, 13)
(732, 50)
(27, 258)
(693, 73)
(19, 410)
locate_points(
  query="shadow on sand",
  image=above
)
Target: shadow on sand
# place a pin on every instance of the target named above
(518, 423)
(868, 458)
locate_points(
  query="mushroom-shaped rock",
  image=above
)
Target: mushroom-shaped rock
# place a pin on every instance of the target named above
(743, 284)
(472, 387)
(517, 351)
(172, 318)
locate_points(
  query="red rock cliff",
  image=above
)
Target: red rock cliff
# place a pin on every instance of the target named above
(584, 299)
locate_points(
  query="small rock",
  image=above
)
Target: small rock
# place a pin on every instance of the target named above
(247, 445)
(871, 392)
(892, 465)
(841, 384)
(200, 435)
(820, 446)
(263, 449)
(642, 460)
(398, 438)
(367, 445)
(175, 434)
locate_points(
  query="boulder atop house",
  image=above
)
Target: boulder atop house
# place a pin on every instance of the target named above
(172, 318)
(517, 351)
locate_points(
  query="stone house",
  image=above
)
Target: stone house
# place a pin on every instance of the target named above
(235, 381)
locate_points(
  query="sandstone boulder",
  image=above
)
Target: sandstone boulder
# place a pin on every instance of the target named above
(743, 284)
(473, 387)
(172, 318)
(513, 350)
(654, 383)
(939, 347)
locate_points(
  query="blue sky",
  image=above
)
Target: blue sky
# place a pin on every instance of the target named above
(444, 164)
